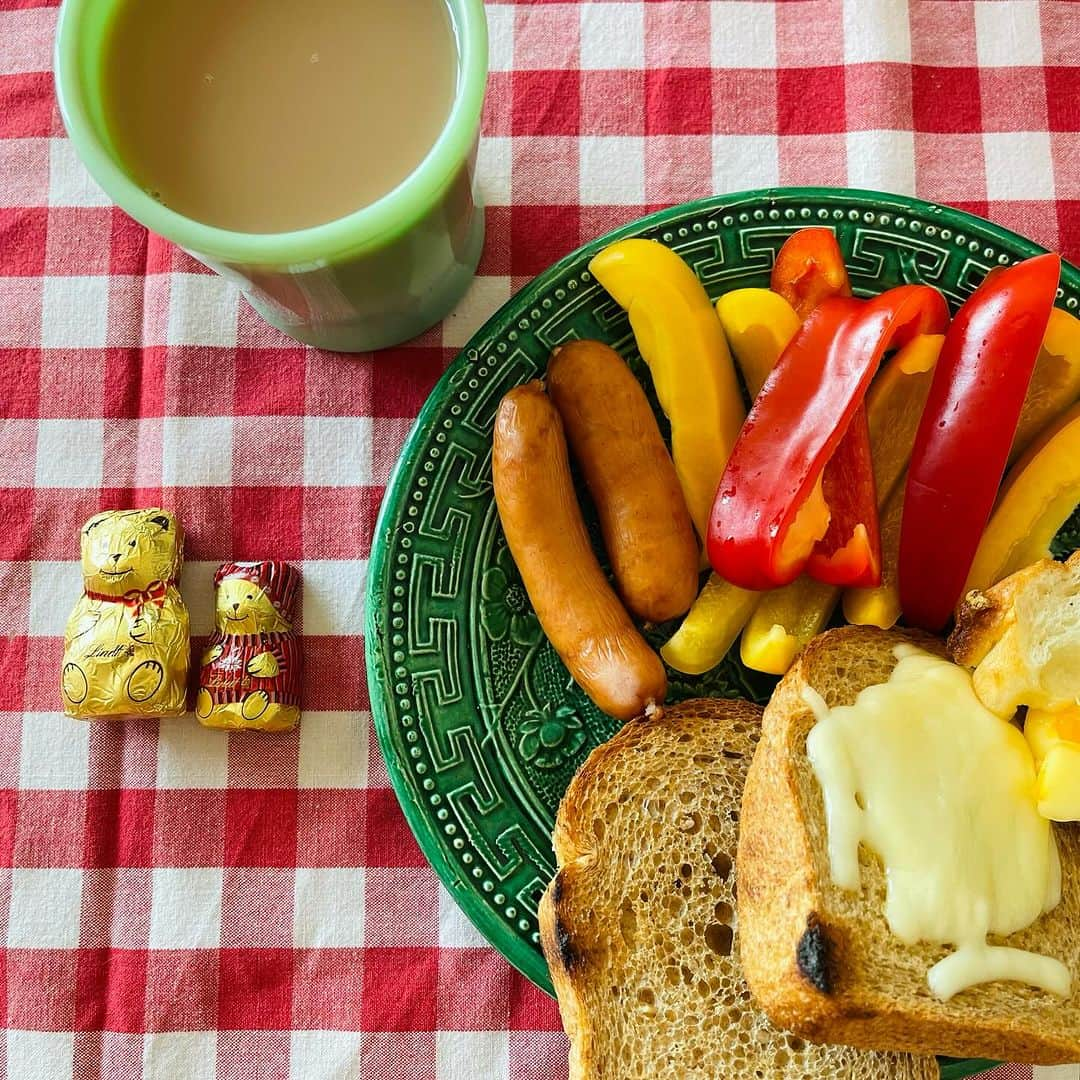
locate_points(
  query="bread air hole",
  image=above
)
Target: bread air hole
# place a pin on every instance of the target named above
(719, 937)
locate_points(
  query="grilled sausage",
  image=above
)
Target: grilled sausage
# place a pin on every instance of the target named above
(576, 606)
(613, 435)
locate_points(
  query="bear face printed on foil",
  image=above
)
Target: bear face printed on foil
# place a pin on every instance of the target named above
(243, 606)
(130, 549)
(127, 643)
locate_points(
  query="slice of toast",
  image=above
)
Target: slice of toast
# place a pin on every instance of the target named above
(822, 961)
(640, 926)
(1022, 637)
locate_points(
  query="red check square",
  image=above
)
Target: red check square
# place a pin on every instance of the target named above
(28, 105)
(540, 235)
(946, 99)
(17, 511)
(400, 989)
(1063, 98)
(110, 990)
(334, 673)
(678, 101)
(40, 989)
(127, 244)
(332, 827)
(390, 841)
(810, 101)
(545, 103)
(134, 383)
(1013, 99)
(327, 989)
(119, 826)
(260, 827)
(460, 1008)
(255, 989)
(269, 383)
(49, 828)
(23, 231)
(612, 102)
(189, 827)
(181, 989)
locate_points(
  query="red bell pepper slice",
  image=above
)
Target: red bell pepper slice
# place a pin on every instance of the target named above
(967, 428)
(849, 554)
(808, 268)
(769, 512)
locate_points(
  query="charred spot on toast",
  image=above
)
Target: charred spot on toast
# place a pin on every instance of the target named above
(813, 955)
(569, 956)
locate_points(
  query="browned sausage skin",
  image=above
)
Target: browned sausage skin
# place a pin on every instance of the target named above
(576, 606)
(612, 433)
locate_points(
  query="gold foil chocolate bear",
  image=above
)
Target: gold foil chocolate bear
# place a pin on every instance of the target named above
(127, 642)
(251, 670)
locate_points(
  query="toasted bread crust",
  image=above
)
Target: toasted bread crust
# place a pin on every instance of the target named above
(577, 916)
(876, 994)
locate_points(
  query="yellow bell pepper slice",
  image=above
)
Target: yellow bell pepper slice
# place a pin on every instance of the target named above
(788, 618)
(680, 338)
(894, 406)
(784, 621)
(758, 325)
(1055, 383)
(710, 628)
(880, 606)
(1039, 495)
(1054, 738)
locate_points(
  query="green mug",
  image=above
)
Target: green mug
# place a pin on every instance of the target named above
(373, 278)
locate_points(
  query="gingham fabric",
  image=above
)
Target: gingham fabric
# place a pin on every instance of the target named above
(179, 903)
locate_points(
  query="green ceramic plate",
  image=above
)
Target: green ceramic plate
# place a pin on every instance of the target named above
(480, 724)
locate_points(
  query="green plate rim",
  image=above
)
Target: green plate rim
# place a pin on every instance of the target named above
(431, 844)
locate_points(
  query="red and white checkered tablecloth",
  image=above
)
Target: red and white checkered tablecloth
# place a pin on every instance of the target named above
(176, 902)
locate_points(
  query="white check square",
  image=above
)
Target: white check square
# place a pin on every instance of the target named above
(196, 451)
(75, 312)
(455, 930)
(333, 750)
(744, 161)
(70, 183)
(485, 295)
(337, 451)
(69, 454)
(743, 35)
(317, 1054)
(328, 912)
(1018, 165)
(884, 160)
(334, 596)
(494, 165)
(173, 1054)
(41, 1055)
(466, 1055)
(185, 910)
(192, 756)
(612, 170)
(44, 909)
(612, 36)
(55, 752)
(54, 588)
(26, 37)
(203, 310)
(1008, 34)
(500, 20)
(876, 31)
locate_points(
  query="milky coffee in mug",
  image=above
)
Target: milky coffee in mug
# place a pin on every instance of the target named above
(265, 116)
